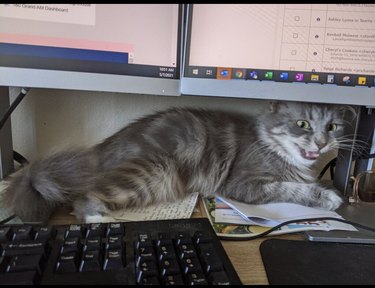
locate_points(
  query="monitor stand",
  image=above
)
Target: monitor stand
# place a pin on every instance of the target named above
(6, 143)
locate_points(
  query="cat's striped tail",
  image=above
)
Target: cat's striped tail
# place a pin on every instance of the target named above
(36, 190)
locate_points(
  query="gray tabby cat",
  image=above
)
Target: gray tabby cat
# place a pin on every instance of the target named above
(167, 155)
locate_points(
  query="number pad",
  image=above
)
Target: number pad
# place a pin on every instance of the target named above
(183, 259)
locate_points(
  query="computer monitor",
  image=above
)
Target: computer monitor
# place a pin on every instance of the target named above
(299, 52)
(134, 48)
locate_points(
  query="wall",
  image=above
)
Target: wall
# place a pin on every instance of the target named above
(48, 119)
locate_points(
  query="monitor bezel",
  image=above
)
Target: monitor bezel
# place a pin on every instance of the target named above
(270, 90)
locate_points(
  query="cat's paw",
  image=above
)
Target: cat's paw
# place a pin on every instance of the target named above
(329, 199)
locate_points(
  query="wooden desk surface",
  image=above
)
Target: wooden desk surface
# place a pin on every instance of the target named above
(244, 255)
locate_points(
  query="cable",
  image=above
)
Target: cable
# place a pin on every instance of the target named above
(367, 157)
(328, 165)
(296, 221)
(19, 158)
(331, 164)
(13, 106)
(16, 156)
(332, 170)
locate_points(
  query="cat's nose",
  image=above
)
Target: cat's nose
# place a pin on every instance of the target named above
(320, 144)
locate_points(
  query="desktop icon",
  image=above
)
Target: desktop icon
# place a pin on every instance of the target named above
(346, 79)
(361, 80)
(239, 74)
(299, 77)
(209, 72)
(314, 77)
(268, 75)
(330, 78)
(224, 73)
(253, 75)
(284, 76)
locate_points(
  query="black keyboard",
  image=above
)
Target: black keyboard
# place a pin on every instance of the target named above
(165, 252)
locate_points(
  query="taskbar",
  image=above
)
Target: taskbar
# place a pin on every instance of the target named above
(225, 73)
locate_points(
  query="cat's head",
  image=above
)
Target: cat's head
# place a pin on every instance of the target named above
(302, 132)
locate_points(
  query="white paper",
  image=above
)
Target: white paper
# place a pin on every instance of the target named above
(272, 214)
(171, 210)
(225, 214)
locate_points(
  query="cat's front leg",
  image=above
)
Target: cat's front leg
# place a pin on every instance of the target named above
(257, 191)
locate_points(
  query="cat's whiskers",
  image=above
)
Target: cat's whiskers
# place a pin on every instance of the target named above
(356, 145)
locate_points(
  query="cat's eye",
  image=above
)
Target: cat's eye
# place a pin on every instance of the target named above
(332, 127)
(303, 124)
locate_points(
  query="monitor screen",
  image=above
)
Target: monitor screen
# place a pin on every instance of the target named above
(103, 47)
(299, 52)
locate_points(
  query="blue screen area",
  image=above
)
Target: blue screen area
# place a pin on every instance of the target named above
(63, 53)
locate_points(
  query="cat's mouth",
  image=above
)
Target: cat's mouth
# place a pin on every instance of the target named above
(309, 155)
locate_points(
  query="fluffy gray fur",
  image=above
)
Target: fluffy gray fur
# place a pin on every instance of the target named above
(167, 155)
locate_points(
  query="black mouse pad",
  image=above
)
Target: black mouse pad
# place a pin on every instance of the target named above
(317, 263)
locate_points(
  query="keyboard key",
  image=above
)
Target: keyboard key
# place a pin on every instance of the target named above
(209, 258)
(164, 239)
(67, 262)
(169, 267)
(191, 265)
(45, 233)
(25, 232)
(95, 229)
(173, 279)
(115, 229)
(145, 270)
(144, 240)
(183, 238)
(4, 264)
(197, 278)
(166, 252)
(90, 261)
(71, 245)
(113, 260)
(26, 263)
(75, 230)
(24, 248)
(150, 280)
(92, 243)
(201, 237)
(6, 234)
(113, 242)
(186, 251)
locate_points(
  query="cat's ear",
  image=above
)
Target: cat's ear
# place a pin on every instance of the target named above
(275, 106)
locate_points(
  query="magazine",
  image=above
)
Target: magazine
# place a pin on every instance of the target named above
(232, 225)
